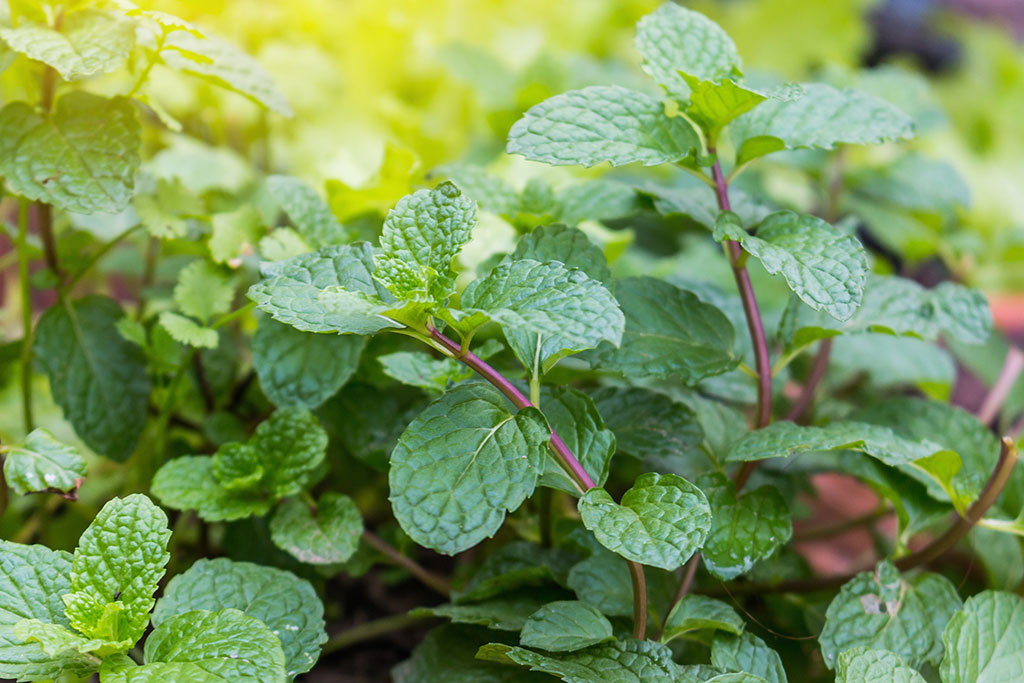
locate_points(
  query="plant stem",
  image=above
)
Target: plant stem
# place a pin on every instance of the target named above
(689, 573)
(750, 308)
(26, 317)
(562, 453)
(370, 630)
(842, 526)
(818, 369)
(1008, 374)
(436, 583)
(929, 553)
(66, 286)
(233, 315)
(164, 418)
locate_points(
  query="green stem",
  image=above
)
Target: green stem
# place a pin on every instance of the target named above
(144, 74)
(431, 580)
(96, 257)
(26, 317)
(233, 315)
(370, 630)
(167, 408)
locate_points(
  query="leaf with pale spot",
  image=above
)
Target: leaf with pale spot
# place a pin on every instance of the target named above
(42, 463)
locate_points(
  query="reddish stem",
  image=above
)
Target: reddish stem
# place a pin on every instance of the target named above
(813, 380)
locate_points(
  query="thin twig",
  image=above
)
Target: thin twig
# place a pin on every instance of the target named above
(428, 578)
(100, 253)
(371, 630)
(689, 573)
(842, 526)
(1012, 367)
(204, 385)
(813, 380)
(636, 575)
(26, 317)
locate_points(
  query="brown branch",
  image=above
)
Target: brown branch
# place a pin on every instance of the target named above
(437, 583)
(370, 630)
(689, 573)
(814, 378)
(1012, 367)
(636, 573)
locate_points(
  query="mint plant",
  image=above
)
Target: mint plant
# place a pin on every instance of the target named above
(586, 417)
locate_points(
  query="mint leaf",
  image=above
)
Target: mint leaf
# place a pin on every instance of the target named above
(744, 529)
(290, 445)
(713, 105)
(698, 612)
(515, 565)
(464, 462)
(647, 423)
(32, 579)
(901, 306)
(917, 457)
(546, 310)
(575, 419)
(626, 660)
(570, 246)
(302, 369)
(62, 645)
(674, 41)
(698, 203)
(43, 463)
(507, 612)
(421, 237)
(418, 369)
(96, 376)
(120, 671)
(594, 200)
(223, 64)
(187, 331)
(288, 605)
(189, 483)
(234, 234)
(602, 123)
(83, 158)
(90, 41)
(306, 210)
(490, 192)
(669, 332)
(865, 664)
(747, 653)
(447, 653)
(566, 626)
(603, 580)
(326, 535)
(660, 522)
(822, 118)
(227, 644)
(880, 609)
(203, 290)
(983, 641)
(119, 561)
(291, 291)
(826, 268)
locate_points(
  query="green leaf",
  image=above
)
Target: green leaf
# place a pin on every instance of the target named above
(603, 580)
(234, 234)
(60, 643)
(570, 246)
(90, 41)
(822, 118)
(306, 210)
(699, 203)
(489, 191)
(203, 290)
(602, 123)
(660, 522)
(984, 641)
(302, 369)
(744, 529)
(226, 643)
(326, 535)
(464, 462)
(674, 41)
(179, 672)
(698, 612)
(282, 244)
(82, 158)
(713, 104)
(573, 416)
(864, 664)
(118, 562)
(188, 483)
(291, 291)
(290, 444)
(187, 331)
(594, 200)
(421, 237)
(669, 332)
(917, 458)
(626, 660)
(32, 579)
(647, 423)
(507, 612)
(747, 653)
(447, 654)
(223, 64)
(826, 268)
(418, 369)
(566, 626)
(96, 376)
(515, 565)
(43, 463)
(546, 310)
(880, 609)
(288, 605)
